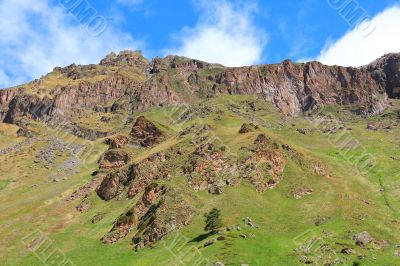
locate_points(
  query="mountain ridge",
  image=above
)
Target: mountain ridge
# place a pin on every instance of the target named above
(291, 87)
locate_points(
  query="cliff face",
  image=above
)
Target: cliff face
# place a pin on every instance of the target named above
(294, 88)
(291, 87)
(386, 71)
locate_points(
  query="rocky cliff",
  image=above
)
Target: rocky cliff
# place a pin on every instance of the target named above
(293, 88)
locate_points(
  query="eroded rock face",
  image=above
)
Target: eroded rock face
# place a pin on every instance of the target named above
(135, 177)
(130, 58)
(113, 184)
(171, 214)
(291, 87)
(294, 88)
(131, 218)
(30, 106)
(209, 168)
(386, 71)
(263, 164)
(113, 159)
(147, 171)
(16, 104)
(88, 95)
(118, 142)
(145, 133)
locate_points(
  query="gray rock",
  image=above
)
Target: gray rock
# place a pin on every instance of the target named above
(219, 264)
(348, 251)
(363, 238)
(305, 260)
(209, 242)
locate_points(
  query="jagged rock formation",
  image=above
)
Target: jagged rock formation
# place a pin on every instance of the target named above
(291, 87)
(386, 71)
(145, 133)
(114, 159)
(263, 164)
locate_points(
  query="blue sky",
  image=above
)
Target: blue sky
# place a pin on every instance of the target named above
(38, 35)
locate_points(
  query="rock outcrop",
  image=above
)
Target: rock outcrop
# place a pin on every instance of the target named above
(114, 159)
(293, 88)
(263, 164)
(160, 211)
(126, 221)
(30, 106)
(386, 71)
(118, 141)
(145, 133)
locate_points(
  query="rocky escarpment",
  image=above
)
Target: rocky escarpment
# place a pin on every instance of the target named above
(17, 104)
(386, 71)
(293, 88)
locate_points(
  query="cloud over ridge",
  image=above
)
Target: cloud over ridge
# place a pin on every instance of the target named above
(356, 48)
(225, 33)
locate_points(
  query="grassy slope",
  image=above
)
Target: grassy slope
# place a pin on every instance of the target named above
(279, 216)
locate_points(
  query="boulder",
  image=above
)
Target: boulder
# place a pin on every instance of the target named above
(348, 251)
(209, 242)
(300, 193)
(363, 238)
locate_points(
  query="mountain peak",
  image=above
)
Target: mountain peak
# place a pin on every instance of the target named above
(127, 57)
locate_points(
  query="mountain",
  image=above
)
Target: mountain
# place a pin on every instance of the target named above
(116, 163)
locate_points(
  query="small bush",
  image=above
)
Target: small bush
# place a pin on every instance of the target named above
(213, 220)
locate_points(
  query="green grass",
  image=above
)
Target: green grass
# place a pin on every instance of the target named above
(4, 184)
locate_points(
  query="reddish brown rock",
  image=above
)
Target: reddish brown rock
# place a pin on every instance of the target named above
(86, 189)
(291, 87)
(127, 221)
(145, 133)
(113, 159)
(265, 164)
(113, 184)
(247, 128)
(118, 142)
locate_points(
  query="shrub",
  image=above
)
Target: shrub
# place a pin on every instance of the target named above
(213, 220)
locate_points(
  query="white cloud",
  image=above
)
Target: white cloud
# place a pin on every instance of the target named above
(224, 34)
(37, 36)
(356, 48)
